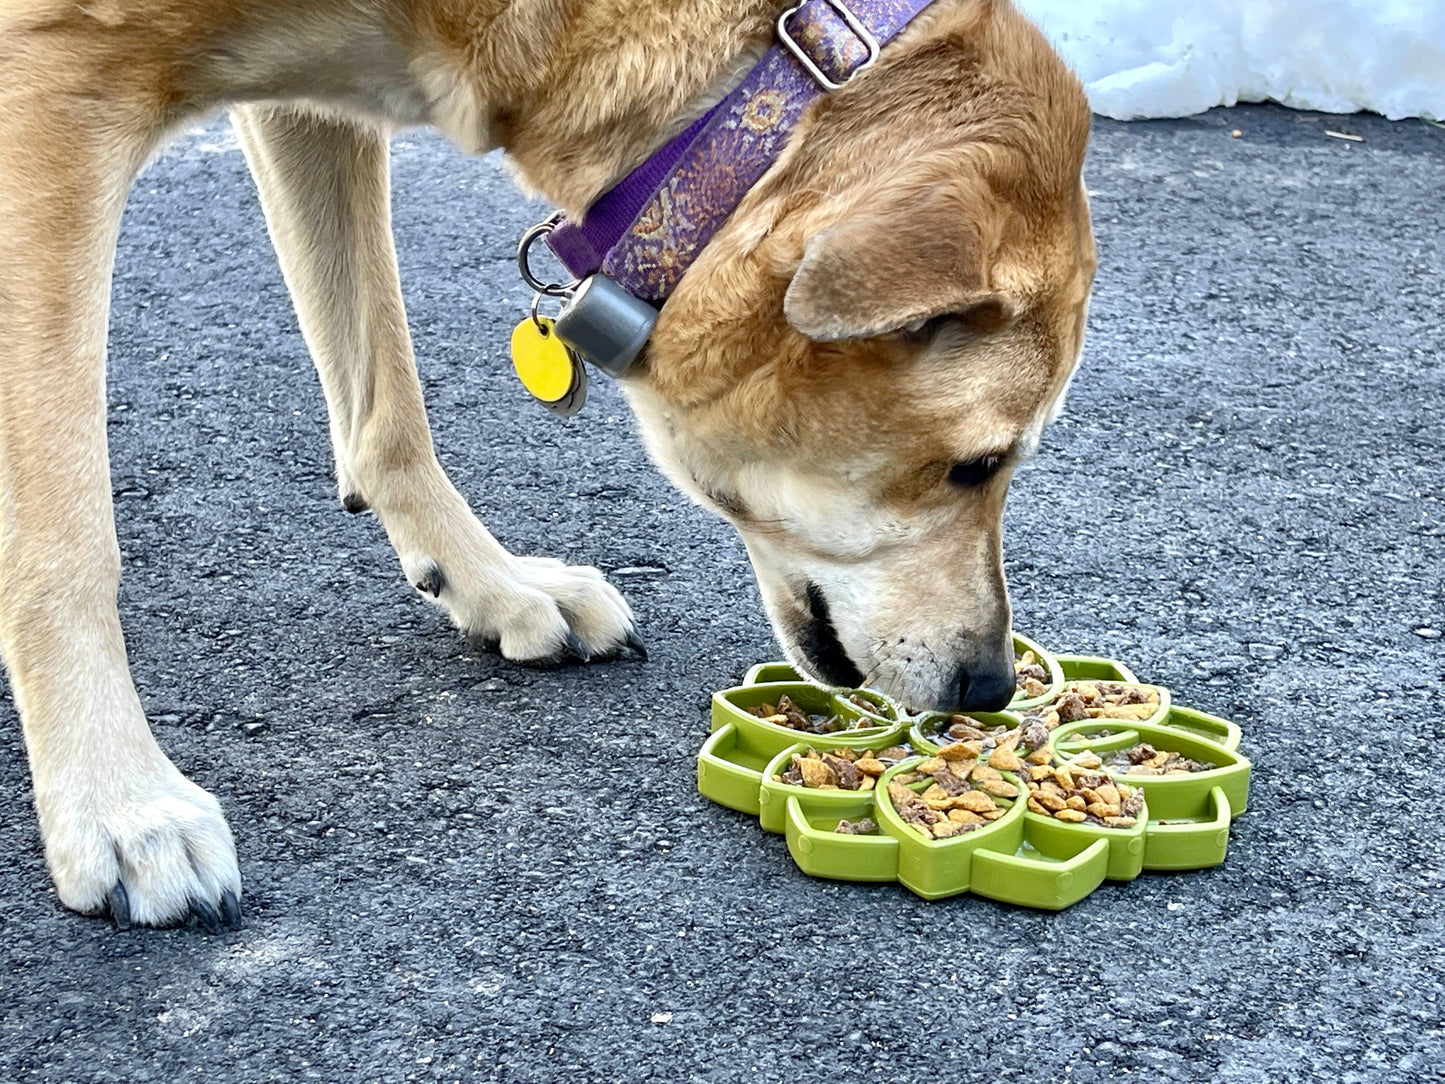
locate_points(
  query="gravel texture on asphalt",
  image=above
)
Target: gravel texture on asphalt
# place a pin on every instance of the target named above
(457, 869)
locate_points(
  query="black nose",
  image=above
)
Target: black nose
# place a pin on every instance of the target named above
(985, 686)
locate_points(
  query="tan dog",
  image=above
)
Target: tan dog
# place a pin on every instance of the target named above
(848, 374)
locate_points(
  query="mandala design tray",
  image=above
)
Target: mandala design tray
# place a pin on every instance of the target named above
(1023, 856)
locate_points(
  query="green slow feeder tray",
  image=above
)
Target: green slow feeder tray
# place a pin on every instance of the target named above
(1023, 857)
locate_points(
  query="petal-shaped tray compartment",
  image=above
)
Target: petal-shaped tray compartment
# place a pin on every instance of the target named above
(1125, 713)
(1092, 668)
(774, 794)
(1210, 727)
(731, 706)
(1033, 879)
(1190, 812)
(926, 735)
(1196, 844)
(730, 768)
(821, 851)
(1061, 841)
(935, 868)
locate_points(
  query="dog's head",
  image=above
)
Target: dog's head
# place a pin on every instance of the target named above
(854, 366)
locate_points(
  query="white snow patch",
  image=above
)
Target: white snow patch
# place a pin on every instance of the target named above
(1177, 57)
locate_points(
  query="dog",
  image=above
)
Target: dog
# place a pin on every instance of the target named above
(848, 372)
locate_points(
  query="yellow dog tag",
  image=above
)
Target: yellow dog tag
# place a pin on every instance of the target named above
(547, 369)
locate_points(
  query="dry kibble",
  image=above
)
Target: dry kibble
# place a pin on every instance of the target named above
(865, 826)
(1144, 759)
(786, 713)
(1030, 676)
(1100, 700)
(1078, 795)
(839, 769)
(961, 750)
(955, 801)
(815, 773)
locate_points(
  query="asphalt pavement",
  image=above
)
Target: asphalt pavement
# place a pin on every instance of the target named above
(457, 869)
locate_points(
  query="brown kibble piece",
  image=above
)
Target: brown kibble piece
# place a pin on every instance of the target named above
(976, 801)
(1070, 708)
(1076, 801)
(1051, 802)
(1005, 759)
(862, 827)
(869, 765)
(816, 774)
(843, 770)
(1072, 816)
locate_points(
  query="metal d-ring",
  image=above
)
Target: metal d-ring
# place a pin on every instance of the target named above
(551, 289)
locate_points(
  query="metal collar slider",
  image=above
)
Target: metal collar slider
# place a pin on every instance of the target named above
(861, 32)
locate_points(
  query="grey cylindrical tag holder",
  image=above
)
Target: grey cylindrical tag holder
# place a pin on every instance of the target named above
(606, 324)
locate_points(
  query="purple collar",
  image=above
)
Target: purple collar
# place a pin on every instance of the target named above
(645, 232)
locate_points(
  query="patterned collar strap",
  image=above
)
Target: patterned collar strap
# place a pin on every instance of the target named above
(647, 230)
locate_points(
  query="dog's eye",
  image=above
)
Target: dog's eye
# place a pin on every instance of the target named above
(974, 472)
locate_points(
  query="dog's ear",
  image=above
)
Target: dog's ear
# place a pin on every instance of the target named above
(903, 263)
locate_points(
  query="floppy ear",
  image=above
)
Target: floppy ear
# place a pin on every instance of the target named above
(887, 268)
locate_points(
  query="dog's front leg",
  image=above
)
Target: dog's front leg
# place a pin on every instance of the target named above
(325, 188)
(124, 831)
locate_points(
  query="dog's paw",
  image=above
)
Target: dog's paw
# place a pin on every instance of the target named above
(536, 610)
(145, 846)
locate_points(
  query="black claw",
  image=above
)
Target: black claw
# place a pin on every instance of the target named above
(119, 904)
(430, 582)
(635, 643)
(575, 649)
(231, 910)
(207, 915)
(355, 503)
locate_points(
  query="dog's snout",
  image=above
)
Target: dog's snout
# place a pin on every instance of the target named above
(985, 685)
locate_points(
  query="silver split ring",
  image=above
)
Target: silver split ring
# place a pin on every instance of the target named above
(551, 289)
